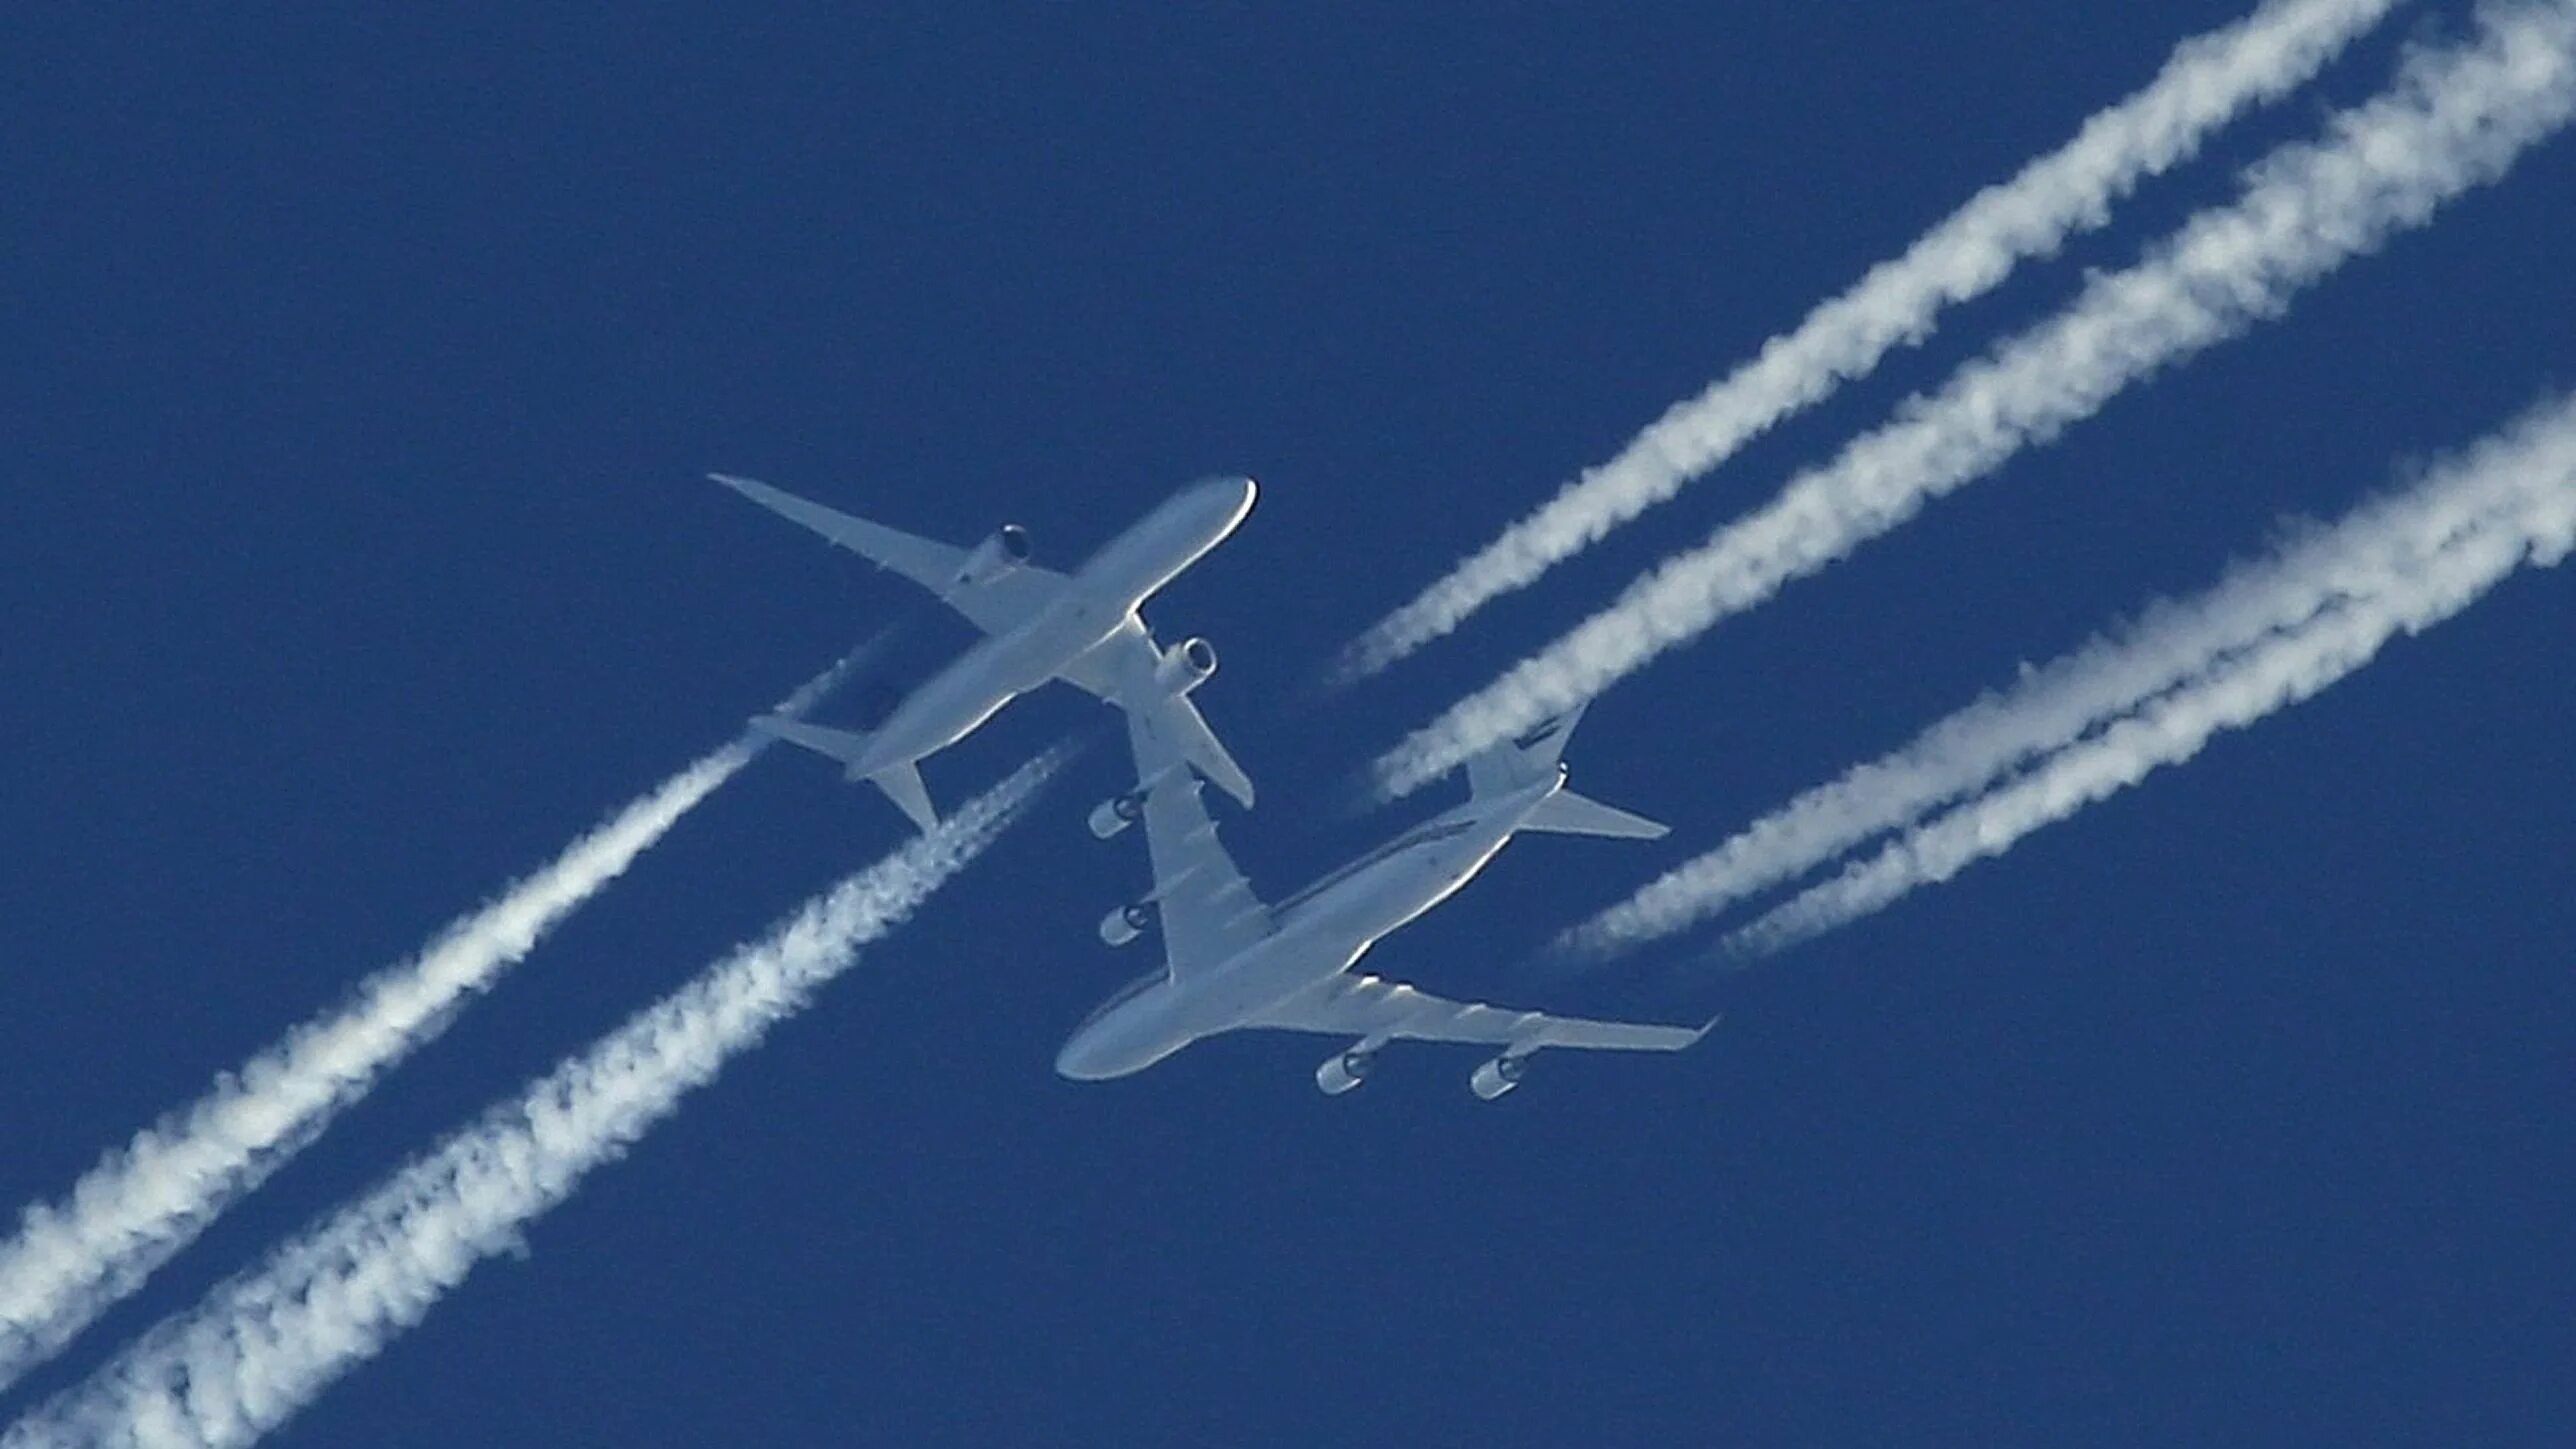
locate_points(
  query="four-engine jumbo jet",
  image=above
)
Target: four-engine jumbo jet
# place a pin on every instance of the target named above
(1232, 962)
(1082, 628)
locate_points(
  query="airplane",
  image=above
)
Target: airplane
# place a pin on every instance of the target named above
(1039, 625)
(1232, 962)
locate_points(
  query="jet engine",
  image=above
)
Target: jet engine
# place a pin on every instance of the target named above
(1185, 666)
(1005, 551)
(1126, 923)
(1344, 1071)
(1116, 813)
(1500, 1075)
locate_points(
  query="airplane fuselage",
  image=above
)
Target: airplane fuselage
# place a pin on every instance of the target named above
(1322, 931)
(1106, 591)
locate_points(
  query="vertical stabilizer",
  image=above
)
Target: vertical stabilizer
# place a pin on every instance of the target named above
(1539, 755)
(1519, 763)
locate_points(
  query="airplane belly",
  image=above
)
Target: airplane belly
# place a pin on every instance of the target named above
(1127, 1039)
(1240, 994)
(1443, 889)
(944, 711)
(1137, 563)
(1400, 901)
(1071, 628)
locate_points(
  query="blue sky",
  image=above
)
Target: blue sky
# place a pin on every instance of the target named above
(355, 557)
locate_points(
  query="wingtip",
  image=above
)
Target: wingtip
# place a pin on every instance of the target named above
(1710, 1026)
(1226, 776)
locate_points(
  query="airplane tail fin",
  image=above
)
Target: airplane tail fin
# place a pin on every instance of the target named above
(847, 746)
(1538, 755)
(1566, 813)
(901, 782)
(1520, 763)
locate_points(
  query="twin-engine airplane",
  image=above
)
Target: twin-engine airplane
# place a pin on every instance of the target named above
(1231, 962)
(1082, 628)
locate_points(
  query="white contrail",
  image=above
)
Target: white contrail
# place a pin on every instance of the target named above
(2209, 80)
(2456, 117)
(2533, 470)
(2384, 545)
(265, 1344)
(141, 1204)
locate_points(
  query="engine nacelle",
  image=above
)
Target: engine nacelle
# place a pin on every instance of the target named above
(1343, 1071)
(1000, 554)
(1185, 666)
(1125, 924)
(1498, 1076)
(1115, 814)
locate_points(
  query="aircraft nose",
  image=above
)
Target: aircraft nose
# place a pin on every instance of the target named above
(1119, 1044)
(1231, 497)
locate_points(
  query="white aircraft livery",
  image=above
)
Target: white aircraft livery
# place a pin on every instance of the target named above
(1039, 625)
(1231, 962)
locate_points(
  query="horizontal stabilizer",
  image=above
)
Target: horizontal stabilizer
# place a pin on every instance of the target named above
(844, 745)
(1566, 813)
(902, 784)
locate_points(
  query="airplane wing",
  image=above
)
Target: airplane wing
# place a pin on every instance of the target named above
(1207, 909)
(996, 606)
(1120, 670)
(1355, 1004)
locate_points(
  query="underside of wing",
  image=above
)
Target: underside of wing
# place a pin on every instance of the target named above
(1207, 909)
(1371, 1007)
(999, 605)
(995, 600)
(1129, 670)
(926, 563)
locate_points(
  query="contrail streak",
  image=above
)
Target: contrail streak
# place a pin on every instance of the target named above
(142, 1203)
(265, 1344)
(2531, 469)
(2384, 545)
(2457, 117)
(2209, 80)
